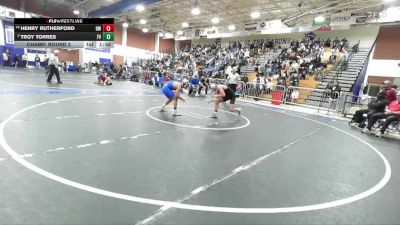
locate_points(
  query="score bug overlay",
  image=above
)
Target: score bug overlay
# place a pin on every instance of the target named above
(64, 32)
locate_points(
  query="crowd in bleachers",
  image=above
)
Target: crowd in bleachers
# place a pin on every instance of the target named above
(305, 57)
(293, 60)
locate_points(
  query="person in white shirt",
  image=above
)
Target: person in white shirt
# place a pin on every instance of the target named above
(5, 58)
(25, 60)
(232, 80)
(53, 63)
(344, 56)
(269, 86)
(228, 71)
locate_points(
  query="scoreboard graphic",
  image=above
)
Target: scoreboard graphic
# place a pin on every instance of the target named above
(64, 33)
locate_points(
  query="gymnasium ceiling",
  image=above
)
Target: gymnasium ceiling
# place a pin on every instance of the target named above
(168, 15)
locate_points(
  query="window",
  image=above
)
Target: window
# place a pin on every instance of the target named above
(10, 35)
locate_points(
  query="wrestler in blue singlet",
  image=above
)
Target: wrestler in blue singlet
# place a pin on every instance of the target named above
(168, 90)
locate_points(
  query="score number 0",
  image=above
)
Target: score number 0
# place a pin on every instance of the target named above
(108, 27)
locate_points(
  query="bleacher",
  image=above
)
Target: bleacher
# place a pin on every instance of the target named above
(346, 78)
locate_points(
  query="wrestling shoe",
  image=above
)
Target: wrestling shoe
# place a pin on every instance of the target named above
(366, 131)
(239, 112)
(214, 116)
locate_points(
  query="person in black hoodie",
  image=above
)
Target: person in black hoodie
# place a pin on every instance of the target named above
(375, 106)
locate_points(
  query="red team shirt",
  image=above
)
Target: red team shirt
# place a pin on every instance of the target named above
(395, 106)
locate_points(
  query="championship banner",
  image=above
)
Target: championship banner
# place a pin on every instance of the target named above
(342, 19)
(325, 23)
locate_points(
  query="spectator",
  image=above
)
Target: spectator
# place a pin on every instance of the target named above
(46, 65)
(6, 58)
(37, 61)
(377, 105)
(228, 71)
(334, 95)
(390, 91)
(391, 114)
(232, 80)
(25, 60)
(16, 60)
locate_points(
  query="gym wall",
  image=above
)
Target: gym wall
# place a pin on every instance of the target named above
(137, 39)
(166, 44)
(384, 60)
(69, 55)
(366, 34)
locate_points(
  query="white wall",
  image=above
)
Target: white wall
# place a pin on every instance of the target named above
(131, 52)
(365, 33)
(383, 68)
(91, 55)
(2, 41)
(387, 68)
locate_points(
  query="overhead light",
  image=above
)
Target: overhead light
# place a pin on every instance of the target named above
(76, 12)
(215, 20)
(388, 0)
(125, 24)
(185, 24)
(255, 15)
(143, 21)
(160, 34)
(231, 27)
(169, 35)
(140, 8)
(179, 32)
(196, 11)
(319, 19)
(145, 30)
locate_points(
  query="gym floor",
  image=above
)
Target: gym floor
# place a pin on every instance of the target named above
(79, 153)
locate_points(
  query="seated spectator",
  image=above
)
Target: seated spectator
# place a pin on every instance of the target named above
(332, 58)
(377, 105)
(390, 91)
(391, 114)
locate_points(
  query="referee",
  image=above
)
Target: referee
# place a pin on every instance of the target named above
(53, 63)
(232, 79)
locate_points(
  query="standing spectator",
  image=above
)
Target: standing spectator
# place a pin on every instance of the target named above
(46, 65)
(269, 85)
(5, 58)
(344, 56)
(97, 66)
(334, 95)
(53, 62)
(390, 91)
(25, 60)
(228, 71)
(232, 80)
(245, 79)
(16, 60)
(37, 61)
(90, 64)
